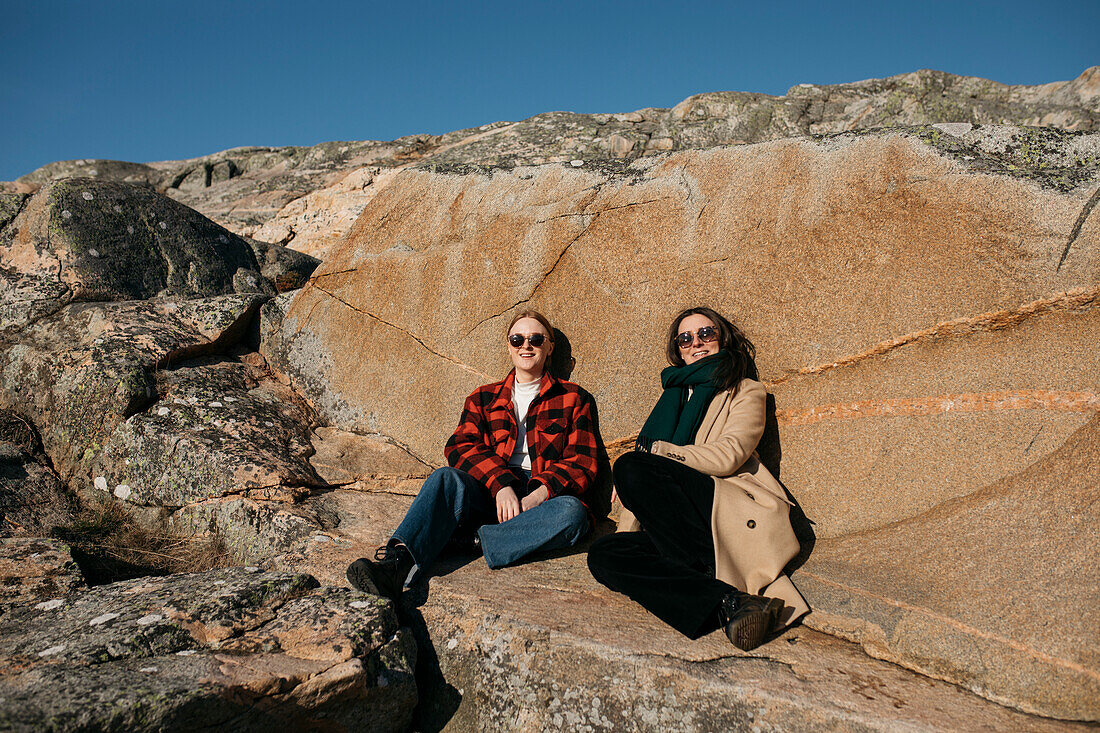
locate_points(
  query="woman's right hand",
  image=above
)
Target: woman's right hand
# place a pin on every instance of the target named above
(507, 504)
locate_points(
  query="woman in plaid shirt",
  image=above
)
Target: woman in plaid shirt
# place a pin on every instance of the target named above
(520, 461)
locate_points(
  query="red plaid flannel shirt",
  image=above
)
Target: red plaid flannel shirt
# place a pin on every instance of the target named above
(561, 437)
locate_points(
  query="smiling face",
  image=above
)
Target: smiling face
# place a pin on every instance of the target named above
(530, 361)
(698, 349)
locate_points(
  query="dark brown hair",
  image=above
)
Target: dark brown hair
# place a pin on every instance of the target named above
(538, 317)
(739, 361)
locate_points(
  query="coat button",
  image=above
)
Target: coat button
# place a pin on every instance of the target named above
(752, 523)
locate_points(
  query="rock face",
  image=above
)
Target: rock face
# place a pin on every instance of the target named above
(234, 649)
(598, 662)
(33, 569)
(921, 307)
(1031, 605)
(113, 241)
(148, 393)
(309, 197)
(82, 371)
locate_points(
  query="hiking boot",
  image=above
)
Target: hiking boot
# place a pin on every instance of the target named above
(385, 574)
(748, 619)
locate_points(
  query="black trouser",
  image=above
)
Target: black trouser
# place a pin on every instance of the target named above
(668, 568)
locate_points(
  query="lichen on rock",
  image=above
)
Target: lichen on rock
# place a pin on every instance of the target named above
(235, 649)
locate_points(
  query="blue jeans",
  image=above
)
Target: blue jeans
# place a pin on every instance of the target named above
(450, 497)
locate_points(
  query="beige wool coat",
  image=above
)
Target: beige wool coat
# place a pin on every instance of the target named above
(750, 519)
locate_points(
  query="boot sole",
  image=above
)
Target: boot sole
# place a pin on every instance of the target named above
(749, 631)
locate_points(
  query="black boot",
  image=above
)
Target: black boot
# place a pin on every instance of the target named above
(748, 619)
(385, 574)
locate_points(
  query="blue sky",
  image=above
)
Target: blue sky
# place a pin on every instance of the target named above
(157, 80)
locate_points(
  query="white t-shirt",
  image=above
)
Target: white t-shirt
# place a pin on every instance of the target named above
(522, 395)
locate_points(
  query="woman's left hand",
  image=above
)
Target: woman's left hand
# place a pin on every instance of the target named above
(535, 498)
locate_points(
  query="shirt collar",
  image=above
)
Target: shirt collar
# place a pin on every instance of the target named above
(504, 395)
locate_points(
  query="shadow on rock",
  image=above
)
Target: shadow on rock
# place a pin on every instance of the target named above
(562, 364)
(438, 700)
(770, 451)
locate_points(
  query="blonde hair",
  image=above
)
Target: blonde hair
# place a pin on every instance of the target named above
(538, 317)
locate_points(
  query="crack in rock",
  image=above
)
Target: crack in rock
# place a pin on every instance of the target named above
(721, 657)
(413, 336)
(542, 279)
(1078, 225)
(313, 280)
(232, 335)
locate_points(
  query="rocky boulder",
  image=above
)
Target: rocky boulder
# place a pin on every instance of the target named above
(140, 174)
(543, 646)
(82, 371)
(218, 429)
(309, 197)
(234, 649)
(155, 397)
(116, 241)
(285, 268)
(161, 405)
(920, 301)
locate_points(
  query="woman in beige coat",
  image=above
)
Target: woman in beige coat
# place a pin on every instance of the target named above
(705, 531)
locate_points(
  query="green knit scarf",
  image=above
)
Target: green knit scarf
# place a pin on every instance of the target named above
(675, 418)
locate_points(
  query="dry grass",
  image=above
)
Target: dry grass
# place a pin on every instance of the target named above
(110, 544)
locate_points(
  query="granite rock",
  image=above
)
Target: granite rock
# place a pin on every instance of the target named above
(116, 241)
(219, 428)
(80, 372)
(803, 228)
(854, 262)
(235, 649)
(543, 646)
(309, 197)
(342, 457)
(33, 569)
(996, 591)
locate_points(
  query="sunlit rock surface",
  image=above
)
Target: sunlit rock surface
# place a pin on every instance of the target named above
(922, 308)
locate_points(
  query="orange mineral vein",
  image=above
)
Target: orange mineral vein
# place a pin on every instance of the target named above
(1021, 399)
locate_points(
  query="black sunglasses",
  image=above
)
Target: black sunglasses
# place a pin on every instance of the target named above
(517, 339)
(706, 334)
